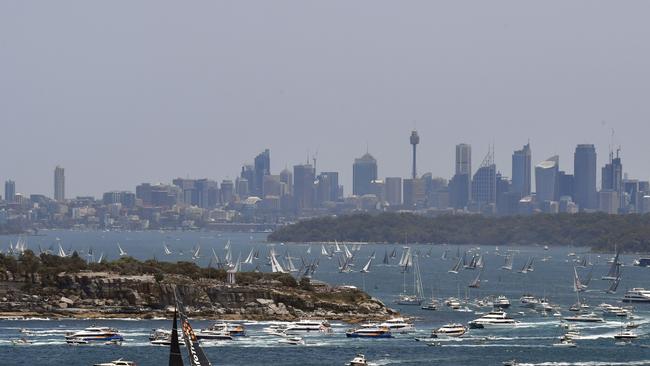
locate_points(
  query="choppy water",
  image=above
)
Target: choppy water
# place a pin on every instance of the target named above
(530, 342)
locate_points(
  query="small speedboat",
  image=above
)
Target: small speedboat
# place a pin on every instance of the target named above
(119, 362)
(294, 341)
(510, 363)
(626, 335)
(566, 342)
(21, 342)
(358, 360)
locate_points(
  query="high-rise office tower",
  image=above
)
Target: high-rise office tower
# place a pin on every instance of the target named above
(364, 171)
(415, 140)
(547, 180)
(227, 191)
(287, 178)
(303, 187)
(565, 185)
(484, 184)
(10, 191)
(584, 171)
(464, 159)
(612, 174)
(521, 167)
(462, 194)
(332, 193)
(248, 173)
(262, 168)
(393, 190)
(59, 184)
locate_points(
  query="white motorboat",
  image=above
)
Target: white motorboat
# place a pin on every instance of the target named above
(398, 325)
(495, 318)
(585, 318)
(119, 362)
(308, 325)
(637, 294)
(369, 332)
(213, 335)
(501, 302)
(95, 334)
(449, 330)
(235, 330)
(294, 341)
(358, 360)
(21, 342)
(626, 335)
(612, 310)
(453, 303)
(566, 342)
(528, 301)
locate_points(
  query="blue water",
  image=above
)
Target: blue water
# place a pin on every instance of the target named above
(530, 342)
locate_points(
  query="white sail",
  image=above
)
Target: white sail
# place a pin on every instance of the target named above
(227, 246)
(167, 250)
(122, 252)
(456, 267)
(249, 259)
(276, 267)
(338, 248)
(366, 268)
(508, 262)
(348, 254)
(309, 249)
(197, 253)
(290, 266)
(101, 257)
(323, 250)
(62, 252)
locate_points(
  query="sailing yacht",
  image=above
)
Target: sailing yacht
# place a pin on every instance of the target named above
(122, 252)
(366, 268)
(249, 259)
(196, 355)
(166, 249)
(508, 262)
(456, 267)
(416, 297)
(477, 281)
(196, 254)
(614, 269)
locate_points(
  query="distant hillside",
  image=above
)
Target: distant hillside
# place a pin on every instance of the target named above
(598, 231)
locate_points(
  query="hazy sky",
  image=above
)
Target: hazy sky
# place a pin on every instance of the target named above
(123, 92)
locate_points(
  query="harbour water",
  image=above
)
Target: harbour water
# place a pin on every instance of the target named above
(531, 342)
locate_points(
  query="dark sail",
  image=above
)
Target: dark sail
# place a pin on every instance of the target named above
(196, 355)
(175, 357)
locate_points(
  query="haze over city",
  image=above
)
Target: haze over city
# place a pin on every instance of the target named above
(125, 93)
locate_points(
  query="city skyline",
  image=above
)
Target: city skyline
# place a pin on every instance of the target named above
(73, 98)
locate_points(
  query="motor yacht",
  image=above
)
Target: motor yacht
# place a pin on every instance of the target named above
(431, 305)
(235, 330)
(95, 334)
(293, 341)
(119, 362)
(213, 335)
(307, 325)
(495, 318)
(625, 334)
(398, 325)
(369, 332)
(637, 294)
(453, 303)
(566, 342)
(528, 301)
(611, 310)
(585, 318)
(449, 330)
(501, 302)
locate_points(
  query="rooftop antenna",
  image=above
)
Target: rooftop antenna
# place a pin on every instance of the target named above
(314, 157)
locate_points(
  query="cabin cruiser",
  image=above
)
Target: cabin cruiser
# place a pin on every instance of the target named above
(119, 362)
(404, 299)
(161, 337)
(398, 325)
(369, 332)
(528, 301)
(585, 318)
(95, 334)
(213, 335)
(449, 330)
(358, 360)
(453, 303)
(431, 305)
(611, 310)
(309, 326)
(235, 330)
(566, 342)
(625, 334)
(637, 294)
(501, 302)
(495, 318)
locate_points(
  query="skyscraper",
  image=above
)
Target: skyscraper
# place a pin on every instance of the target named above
(59, 184)
(484, 184)
(521, 181)
(303, 187)
(547, 182)
(415, 140)
(364, 171)
(584, 171)
(464, 159)
(612, 174)
(10, 191)
(262, 168)
(287, 178)
(462, 194)
(393, 190)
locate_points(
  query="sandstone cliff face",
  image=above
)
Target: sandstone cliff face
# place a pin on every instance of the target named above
(112, 293)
